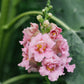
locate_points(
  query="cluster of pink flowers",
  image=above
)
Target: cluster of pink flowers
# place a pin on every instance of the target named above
(46, 53)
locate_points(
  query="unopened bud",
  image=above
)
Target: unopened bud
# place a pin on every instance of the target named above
(43, 10)
(50, 6)
(49, 14)
(46, 23)
(39, 18)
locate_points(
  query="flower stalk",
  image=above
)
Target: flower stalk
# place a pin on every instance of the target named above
(20, 77)
(3, 21)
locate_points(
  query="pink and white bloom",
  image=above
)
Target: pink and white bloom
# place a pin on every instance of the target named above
(55, 31)
(29, 64)
(52, 67)
(40, 47)
(28, 33)
(61, 47)
(33, 66)
(24, 63)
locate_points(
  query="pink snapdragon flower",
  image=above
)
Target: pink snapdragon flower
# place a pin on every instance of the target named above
(40, 46)
(55, 31)
(28, 33)
(61, 47)
(29, 63)
(24, 63)
(52, 67)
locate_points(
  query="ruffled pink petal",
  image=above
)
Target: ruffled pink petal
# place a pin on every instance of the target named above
(43, 71)
(53, 76)
(38, 57)
(32, 69)
(70, 68)
(48, 40)
(24, 63)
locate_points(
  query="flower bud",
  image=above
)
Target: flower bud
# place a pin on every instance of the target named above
(49, 14)
(39, 18)
(43, 10)
(46, 23)
(50, 6)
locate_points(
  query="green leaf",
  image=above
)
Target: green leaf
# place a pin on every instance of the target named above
(12, 9)
(20, 22)
(77, 53)
(70, 11)
(8, 51)
(81, 34)
(47, 81)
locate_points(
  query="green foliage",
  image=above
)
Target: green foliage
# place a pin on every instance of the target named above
(77, 53)
(70, 11)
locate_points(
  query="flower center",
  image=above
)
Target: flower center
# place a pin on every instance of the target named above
(53, 34)
(41, 47)
(51, 67)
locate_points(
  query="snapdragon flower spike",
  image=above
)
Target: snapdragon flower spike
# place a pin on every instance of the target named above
(61, 47)
(49, 49)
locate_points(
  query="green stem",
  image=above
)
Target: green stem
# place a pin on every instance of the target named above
(17, 78)
(36, 12)
(47, 80)
(79, 31)
(20, 16)
(4, 12)
(60, 22)
(3, 19)
(64, 25)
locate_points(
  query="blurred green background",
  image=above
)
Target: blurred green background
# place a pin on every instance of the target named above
(69, 11)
